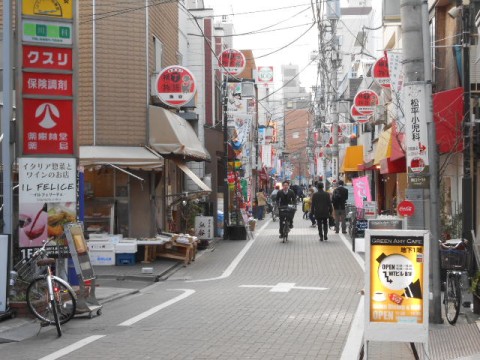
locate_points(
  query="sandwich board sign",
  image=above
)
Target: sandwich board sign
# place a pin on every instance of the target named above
(396, 286)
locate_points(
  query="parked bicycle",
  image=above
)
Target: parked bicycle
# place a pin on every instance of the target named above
(286, 215)
(50, 298)
(453, 259)
(274, 211)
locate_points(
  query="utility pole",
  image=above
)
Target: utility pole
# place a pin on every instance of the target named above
(417, 69)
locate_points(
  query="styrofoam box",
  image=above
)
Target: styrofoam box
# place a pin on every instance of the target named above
(101, 253)
(99, 237)
(126, 248)
(359, 245)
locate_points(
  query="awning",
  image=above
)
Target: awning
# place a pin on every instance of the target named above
(367, 166)
(398, 141)
(448, 117)
(353, 158)
(131, 157)
(182, 166)
(384, 146)
(389, 166)
(173, 136)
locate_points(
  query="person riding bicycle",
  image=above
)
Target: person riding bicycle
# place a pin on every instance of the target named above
(285, 197)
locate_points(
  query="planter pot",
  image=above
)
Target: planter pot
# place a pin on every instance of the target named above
(476, 304)
(21, 308)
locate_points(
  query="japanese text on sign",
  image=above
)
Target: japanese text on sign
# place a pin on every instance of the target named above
(47, 180)
(37, 57)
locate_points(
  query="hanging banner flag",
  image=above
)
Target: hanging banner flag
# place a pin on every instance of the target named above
(416, 136)
(366, 101)
(396, 79)
(232, 62)
(357, 117)
(361, 191)
(175, 86)
(381, 73)
(241, 124)
(261, 136)
(267, 155)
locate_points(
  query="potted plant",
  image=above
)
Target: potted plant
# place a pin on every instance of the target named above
(475, 290)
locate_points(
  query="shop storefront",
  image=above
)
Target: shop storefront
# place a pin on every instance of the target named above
(118, 190)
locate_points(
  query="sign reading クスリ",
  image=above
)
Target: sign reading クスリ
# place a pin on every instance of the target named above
(175, 86)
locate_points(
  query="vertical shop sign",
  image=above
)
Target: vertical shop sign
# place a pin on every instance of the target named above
(265, 75)
(416, 136)
(396, 277)
(47, 195)
(47, 126)
(361, 191)
(204, 227)
(59, 9)
(381, 73)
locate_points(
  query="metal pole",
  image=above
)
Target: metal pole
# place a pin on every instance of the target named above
(436, 312)
(467, 201)
(225, 160)
(7, 111)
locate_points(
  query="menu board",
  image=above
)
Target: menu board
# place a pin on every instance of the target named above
(396, 292)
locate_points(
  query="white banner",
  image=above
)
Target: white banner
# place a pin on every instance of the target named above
(416, 139)
(395, 69)
(267, 155)
(334, 168)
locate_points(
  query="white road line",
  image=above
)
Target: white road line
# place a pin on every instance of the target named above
(229, 270)
(135, 319)
(354, 342)
(355, 336)
(357, 257)
(283, 287)
(72, 348)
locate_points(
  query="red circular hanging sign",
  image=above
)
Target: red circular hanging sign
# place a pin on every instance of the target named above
(175, 86)
(359, 118)
(406, 208)
(366, 101)
(232, 62)
(381, 73)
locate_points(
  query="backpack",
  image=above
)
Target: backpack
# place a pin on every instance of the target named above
(337, 197)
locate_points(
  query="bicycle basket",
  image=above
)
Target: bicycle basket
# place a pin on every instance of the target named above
(453, 259)
(287, 211)
(27, 270)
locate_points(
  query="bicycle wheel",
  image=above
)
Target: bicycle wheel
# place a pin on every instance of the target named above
(53, 304)
(286, 229)
(452, 298)
(37, 300)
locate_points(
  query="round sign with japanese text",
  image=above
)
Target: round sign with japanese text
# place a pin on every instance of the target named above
(366, 101)
(359, 118)
(175, 86)
(381, 73)
(232, 62)
(265, 74)
(406, 208)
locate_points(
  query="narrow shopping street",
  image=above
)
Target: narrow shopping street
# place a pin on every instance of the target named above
(258, 299)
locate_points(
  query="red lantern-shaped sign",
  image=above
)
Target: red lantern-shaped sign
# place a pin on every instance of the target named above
(232, 62)
(175, 86)
(366, 101)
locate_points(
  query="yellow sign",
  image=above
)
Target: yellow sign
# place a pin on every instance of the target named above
(61, 9)
(396, 284)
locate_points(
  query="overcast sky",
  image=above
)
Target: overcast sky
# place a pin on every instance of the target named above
(271, 25)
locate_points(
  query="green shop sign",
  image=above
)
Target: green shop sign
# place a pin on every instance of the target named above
(47, 32)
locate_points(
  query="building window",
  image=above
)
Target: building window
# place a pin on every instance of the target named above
(158, 54)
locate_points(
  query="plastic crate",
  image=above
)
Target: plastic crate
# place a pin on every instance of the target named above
(124, 259)
(453, 259)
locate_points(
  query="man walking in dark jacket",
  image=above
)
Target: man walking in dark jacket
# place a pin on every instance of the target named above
(339, 199)
(322, 209)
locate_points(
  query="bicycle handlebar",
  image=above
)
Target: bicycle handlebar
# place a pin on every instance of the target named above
(461, 245)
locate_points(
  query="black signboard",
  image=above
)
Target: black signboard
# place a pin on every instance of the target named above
(385, 224)
(360, 226)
